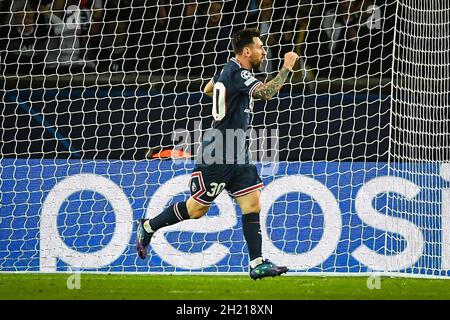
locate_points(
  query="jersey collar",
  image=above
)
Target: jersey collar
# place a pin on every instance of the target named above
(237, 62)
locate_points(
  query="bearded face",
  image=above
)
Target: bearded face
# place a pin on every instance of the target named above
(257, 53)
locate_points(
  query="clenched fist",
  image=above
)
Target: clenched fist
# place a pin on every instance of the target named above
(289, 60)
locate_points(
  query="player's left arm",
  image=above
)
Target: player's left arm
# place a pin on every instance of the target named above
(208, 90)
(267, 90)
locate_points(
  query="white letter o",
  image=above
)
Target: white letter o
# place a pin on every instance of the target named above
(332, 221)
(51, 245)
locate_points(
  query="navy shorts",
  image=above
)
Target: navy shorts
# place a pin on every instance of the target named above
(207, 182)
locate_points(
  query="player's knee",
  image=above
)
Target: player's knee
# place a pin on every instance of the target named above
(197, 213)
(195, 210)
(252, 207)
(255, 208)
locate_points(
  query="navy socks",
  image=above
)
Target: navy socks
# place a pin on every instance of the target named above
(252, 234)
(171, 215)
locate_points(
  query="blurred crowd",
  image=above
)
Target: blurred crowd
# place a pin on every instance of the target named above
(334, 38)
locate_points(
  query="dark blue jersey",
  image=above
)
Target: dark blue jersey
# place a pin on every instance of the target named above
(232, 103)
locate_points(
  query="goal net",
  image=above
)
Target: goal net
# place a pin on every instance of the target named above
(102, 114)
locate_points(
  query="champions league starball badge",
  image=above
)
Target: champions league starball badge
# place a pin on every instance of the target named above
(245, 74)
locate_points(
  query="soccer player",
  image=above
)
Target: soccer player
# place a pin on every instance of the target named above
(223, 165)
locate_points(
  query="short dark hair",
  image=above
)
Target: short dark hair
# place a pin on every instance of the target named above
(243, 38)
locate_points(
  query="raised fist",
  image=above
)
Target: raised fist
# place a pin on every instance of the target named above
(289, 60)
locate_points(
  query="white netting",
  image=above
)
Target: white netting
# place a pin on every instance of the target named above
(91, 91)
(420, 142)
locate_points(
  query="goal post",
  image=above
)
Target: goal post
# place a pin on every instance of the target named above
(419, 130)
(102, 114)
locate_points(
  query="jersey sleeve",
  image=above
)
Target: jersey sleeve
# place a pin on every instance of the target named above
(244, 81)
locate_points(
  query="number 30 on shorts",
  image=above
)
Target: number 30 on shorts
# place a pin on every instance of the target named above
(216, 189)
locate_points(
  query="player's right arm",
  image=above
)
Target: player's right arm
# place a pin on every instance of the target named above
(267, 90)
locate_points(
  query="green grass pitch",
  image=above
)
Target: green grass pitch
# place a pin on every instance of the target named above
(206, 287)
